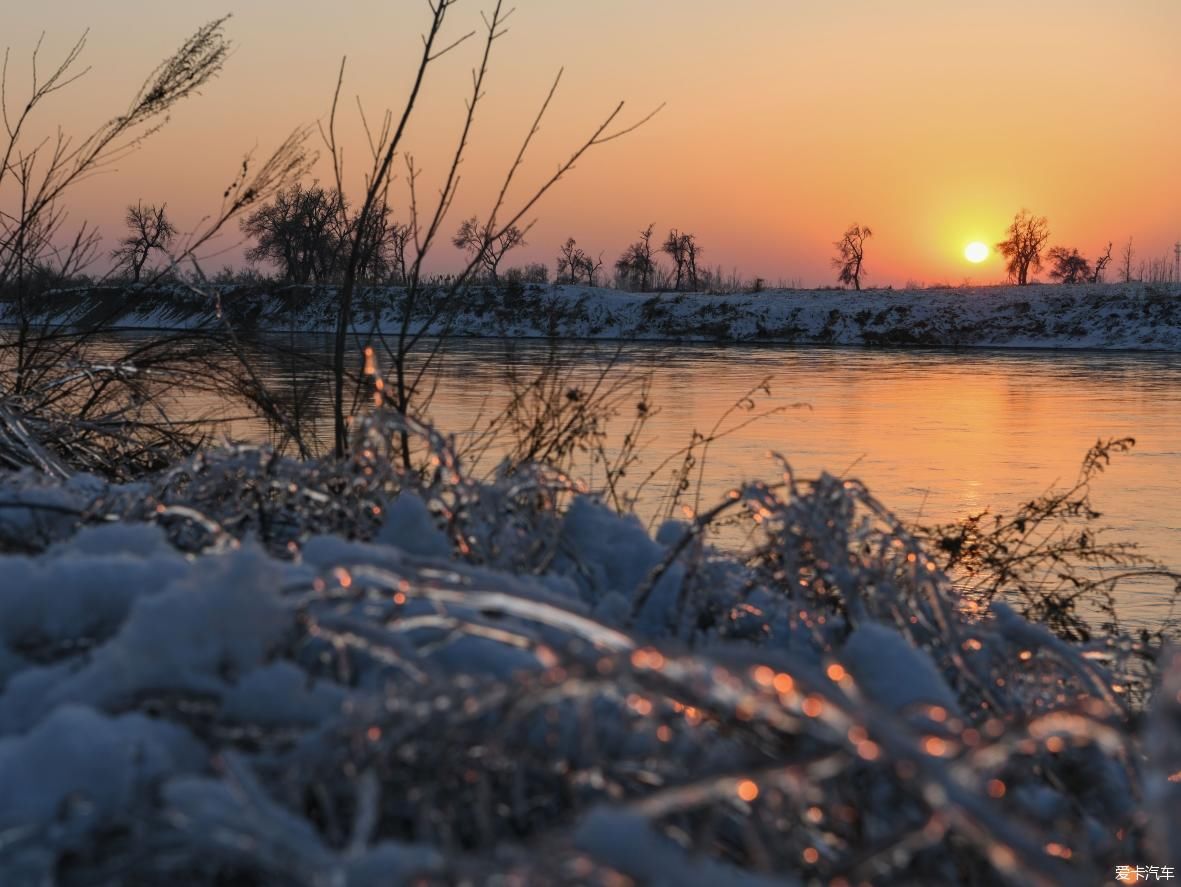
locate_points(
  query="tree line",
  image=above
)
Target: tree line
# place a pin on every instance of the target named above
(1026, 252)
(306, 233)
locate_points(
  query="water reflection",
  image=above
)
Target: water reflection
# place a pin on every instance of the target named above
(934, 434)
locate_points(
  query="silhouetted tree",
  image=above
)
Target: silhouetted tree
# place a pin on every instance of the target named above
(396, 239)
(1069, 266)
(149, 230)
(1101, 264)
(571, 262)
(574, 263)
(301, 231)
(693, 252)
(1023, 248)
(674, 248)
(591, 266)
(850, 258)
(1126, 257)
(485, 246)
(1158, 270)
(381, 248)
(684, 251)
(635, 267)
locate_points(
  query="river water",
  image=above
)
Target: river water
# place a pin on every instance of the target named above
(934, 434)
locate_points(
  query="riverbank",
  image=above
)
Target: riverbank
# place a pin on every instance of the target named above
(1099, 316)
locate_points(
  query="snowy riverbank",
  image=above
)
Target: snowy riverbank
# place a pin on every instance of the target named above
(251, 670)
(1111, 316)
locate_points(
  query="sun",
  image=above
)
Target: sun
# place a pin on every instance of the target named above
(976, 252)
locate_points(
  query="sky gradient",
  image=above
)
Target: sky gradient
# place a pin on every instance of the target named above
(931, 122)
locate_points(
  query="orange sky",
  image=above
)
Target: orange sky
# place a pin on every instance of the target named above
(786, 120)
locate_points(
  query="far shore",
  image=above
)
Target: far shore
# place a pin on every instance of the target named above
(1117, 316)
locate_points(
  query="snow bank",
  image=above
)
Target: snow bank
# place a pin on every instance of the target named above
(1117, 316)
(356, 676)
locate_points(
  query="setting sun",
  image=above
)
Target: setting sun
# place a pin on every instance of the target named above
(976, 252)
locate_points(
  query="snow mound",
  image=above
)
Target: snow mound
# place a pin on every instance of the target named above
(894, 674)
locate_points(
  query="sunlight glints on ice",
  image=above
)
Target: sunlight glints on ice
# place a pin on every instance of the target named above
(976, 252)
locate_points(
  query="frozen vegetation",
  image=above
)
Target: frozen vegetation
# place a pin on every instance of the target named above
(1122, 316)
(252, 670)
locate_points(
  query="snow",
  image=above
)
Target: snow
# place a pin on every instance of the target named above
(408, 525)
(219, 619)
(1111, 316)
(892, 673)
(617, 556)
(463, 691)
(75, 775)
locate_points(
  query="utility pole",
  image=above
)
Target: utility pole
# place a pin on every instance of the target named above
(1177, 267)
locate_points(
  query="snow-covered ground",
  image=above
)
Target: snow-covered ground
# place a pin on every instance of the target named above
(250, 670)
(1117, 316)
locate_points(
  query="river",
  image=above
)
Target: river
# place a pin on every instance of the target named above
(934, 434)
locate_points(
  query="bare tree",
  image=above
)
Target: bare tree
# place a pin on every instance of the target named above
(1126, 256)
(396, 239)
(635, 268)
(1069, 266)
(850, 258)
(1158, 270)
(1023, 247)
(674, 248)
(571, 262)
(150, 230)
(486, 246)
(305, 229)
(382, 245)
(693, 252)
(591, 266)
(1101, 264)
(574, 263)
(682, 248)
(300, 231)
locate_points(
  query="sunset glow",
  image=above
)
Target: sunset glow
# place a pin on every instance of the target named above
(819, 115)
(976, 252)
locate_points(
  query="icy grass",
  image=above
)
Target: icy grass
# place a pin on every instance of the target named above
(252, 670)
